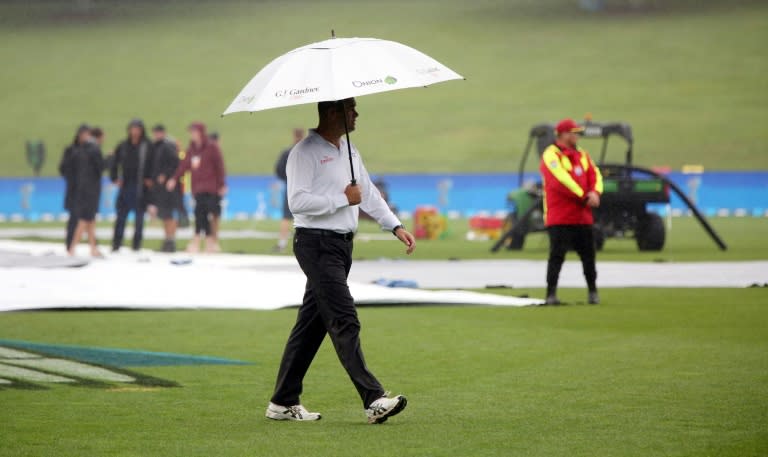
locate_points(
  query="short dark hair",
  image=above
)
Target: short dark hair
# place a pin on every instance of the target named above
(97, 132)
(324, 107)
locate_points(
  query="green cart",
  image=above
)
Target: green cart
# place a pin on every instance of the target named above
(628, 190)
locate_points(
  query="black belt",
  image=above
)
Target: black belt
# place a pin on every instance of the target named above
(329, 233)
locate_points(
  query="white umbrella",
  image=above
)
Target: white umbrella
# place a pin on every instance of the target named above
(337, 69)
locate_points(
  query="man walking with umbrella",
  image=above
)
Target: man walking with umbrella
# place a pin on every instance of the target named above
(325, 206)
(325, 198)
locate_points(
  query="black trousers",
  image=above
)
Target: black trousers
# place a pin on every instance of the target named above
(71, 226)
(127, 201)
(581, 239)
(328, 307)
(206, 205)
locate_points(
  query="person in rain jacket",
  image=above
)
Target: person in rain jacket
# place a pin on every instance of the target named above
(165, 160)
(131, 171)
(83, 166)
(205, 163)
(572, 188)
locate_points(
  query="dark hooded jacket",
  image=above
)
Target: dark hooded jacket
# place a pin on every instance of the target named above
(65, 170)
(82, 166)
(205, 163)
(132, 163)
(165, 159)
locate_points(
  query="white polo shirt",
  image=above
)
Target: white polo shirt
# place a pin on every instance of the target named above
(318, 173)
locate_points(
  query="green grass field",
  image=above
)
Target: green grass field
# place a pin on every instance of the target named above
(690, 79)
(651, 372)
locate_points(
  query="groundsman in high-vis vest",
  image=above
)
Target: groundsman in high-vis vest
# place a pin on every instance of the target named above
(572, 188)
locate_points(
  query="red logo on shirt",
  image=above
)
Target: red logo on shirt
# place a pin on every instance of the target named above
(326, 159)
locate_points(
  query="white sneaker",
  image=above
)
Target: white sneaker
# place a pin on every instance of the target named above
(384, 408)
(290, 413)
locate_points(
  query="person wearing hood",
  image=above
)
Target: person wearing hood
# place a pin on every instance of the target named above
(82, 166)
(66, 172)
(131, 171)
(205, 163)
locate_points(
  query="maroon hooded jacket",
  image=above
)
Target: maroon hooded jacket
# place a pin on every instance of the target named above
(205, 163)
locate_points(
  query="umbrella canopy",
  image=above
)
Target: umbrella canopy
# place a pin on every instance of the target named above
(337, 69)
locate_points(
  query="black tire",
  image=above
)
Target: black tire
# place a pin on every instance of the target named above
(650, 233)
(599, 238)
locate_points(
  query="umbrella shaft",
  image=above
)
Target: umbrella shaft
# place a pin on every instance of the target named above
(349, 149)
